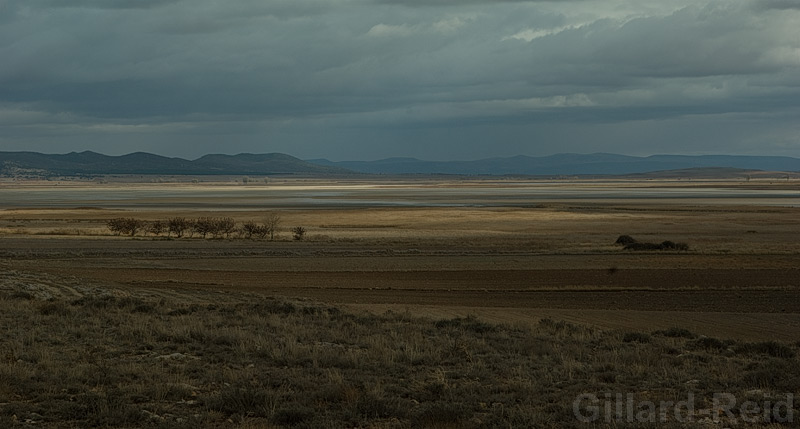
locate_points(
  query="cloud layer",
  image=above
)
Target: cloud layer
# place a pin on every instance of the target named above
(360, 79)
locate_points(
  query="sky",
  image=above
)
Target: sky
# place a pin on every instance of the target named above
(370, 79)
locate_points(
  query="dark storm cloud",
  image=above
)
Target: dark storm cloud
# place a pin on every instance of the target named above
(777, 4)
(461, 2)
(107, 4)
(314, 78)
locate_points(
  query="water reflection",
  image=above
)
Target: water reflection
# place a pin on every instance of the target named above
(482, 195)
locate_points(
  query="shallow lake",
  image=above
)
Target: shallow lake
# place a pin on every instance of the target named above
(165, 196)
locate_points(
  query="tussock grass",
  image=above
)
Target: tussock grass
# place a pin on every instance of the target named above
(109, 361)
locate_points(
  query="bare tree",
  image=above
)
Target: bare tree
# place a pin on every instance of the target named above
(157, 227)
(249, 228)
(203, 226)
(128, 226)
(224, 226)
(178, 226)
(271, 223)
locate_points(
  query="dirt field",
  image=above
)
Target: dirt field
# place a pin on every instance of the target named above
(513, 257)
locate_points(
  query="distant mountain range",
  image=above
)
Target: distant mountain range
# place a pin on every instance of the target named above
(567, 164)
(91, 163)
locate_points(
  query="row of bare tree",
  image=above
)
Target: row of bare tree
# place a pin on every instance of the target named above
(204, 227)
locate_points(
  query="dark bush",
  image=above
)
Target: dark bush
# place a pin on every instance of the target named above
(668, 245)
(778, 374)
(20, 294)
(298, 232)
(676, 333)
(373, 406)
(244, 400)
(709, 343)
(54, 308)
(630, 244)
(292, 415)
(771, 348)
(102, 301)
(625, 240)
(470, 323)
(440, 415)
(642, 246)
(638, 337)
(272, 307)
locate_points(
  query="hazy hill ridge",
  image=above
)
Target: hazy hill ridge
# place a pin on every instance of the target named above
(569, 164)
(91, 163)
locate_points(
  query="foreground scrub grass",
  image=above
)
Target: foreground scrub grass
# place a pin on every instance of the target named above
(106, 361)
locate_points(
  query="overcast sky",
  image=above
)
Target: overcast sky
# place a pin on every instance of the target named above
(368, 79)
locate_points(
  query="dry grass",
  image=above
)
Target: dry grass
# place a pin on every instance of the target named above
(107, 361)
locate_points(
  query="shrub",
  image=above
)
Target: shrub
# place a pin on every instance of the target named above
(668, 245)
(638, 337)
(298, 232)
(630, 244)
(771, 348)
(709, 343)
(250, 229)
(116, 225)
(625, 240)
(642, 246)
(21, 295)
(676, 333)
(470, 323)
(440, 415)
(292, 415)
(244, 400)
(54, 308)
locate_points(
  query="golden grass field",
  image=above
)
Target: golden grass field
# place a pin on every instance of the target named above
(491, 251)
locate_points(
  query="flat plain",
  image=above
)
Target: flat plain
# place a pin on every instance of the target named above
(518, 254)
(502, 250)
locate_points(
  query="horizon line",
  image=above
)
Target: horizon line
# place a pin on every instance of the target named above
(399, 156)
